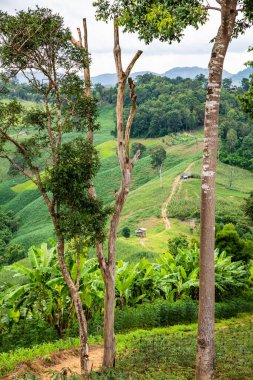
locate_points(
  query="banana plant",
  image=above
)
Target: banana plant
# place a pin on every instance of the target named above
(42, 293)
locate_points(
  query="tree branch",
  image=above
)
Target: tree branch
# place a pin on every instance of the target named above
(131, 117)
(132, 63)
(20, 147)
(20, 168)
(212, 8)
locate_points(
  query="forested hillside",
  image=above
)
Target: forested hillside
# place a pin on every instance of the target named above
(177, 105)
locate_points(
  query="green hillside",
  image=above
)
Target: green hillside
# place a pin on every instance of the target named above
(146, 199)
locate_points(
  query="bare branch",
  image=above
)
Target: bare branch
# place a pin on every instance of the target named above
(80, 36)
(101, 258)
(20, 168)
(213, 8)
(75, 42)
(87, 69)
(20, 147)
(132, 63)
(131, 117)
(135, 158)
(117, 52)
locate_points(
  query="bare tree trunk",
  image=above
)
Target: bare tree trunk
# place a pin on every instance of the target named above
(84, 354)
(107, 266)
(109, 336)
(205, 351)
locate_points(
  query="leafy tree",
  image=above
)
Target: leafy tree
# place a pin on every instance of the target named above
(37, 41)
(158, 156)
(126, 232)
(227, 83)
(138, 147)
(248, 207)
(228, 240)
(178, 242)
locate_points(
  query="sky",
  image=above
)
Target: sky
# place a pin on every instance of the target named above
(193, 50)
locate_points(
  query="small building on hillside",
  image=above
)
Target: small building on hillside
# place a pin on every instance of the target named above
(141, 232)
(186, 175)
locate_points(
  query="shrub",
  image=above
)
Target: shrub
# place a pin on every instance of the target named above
(126, 232)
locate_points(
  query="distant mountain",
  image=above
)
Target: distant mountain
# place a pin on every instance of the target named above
(183, 72)
(237, 78)
(108, 80)
(190, 72)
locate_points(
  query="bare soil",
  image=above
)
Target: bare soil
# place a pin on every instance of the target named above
(66, 361)
(177, 183)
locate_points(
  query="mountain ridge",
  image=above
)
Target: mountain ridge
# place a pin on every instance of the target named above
(109, 79)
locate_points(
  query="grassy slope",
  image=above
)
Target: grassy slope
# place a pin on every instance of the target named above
(143, 207)
(161, 353)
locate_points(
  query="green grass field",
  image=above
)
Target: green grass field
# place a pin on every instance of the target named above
(160, 353)
(144, 203)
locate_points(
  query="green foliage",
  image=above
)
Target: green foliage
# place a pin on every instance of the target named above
(69, 182)
(169, 354)
(9, 252)
(180, 241)
(248, 207)
(158, 156)
(161, 20)
(138, 146)
(19, 43)
(229, 240)
(126, 232)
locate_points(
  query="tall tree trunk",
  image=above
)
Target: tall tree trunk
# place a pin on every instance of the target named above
(109, 336)
(205, 350)
(84, 354)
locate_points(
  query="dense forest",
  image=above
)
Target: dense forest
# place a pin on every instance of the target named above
(177, 105)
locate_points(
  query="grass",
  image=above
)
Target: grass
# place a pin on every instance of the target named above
(169, 353)
(161, 353)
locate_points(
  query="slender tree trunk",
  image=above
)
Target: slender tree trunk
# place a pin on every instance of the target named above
(109, 336)
(126, 166)
(84, 354)
(205, 351)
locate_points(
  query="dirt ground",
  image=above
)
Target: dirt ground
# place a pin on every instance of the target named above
(66, 360)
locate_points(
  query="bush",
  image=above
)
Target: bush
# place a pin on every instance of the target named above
(165, 313)
(126, 232)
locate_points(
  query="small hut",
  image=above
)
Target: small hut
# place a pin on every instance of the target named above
(186, 175)
(141, 232)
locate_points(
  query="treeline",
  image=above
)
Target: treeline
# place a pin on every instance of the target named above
(9, 252)
(177, 105)
(15, 90)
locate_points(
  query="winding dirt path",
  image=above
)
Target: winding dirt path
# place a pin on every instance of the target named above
(177, 182)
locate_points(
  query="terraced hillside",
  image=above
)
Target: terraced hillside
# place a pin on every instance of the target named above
(149, 205)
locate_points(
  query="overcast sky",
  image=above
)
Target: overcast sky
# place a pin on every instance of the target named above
(194, 50)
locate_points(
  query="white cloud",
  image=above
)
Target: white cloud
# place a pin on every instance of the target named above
(194, 50)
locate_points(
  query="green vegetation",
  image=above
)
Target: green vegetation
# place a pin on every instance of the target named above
(160, 353)
(170, 353)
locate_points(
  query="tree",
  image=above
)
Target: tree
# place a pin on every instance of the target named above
(158, 156)
(35, 41)
(126, 163)
(167, 21)
(138, 147)
(248, 207)
(228, 240)
(126, 232)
